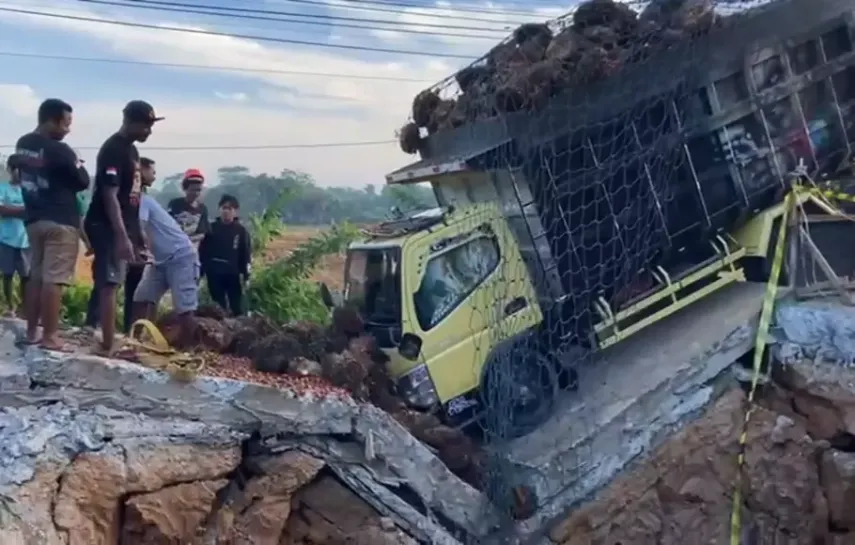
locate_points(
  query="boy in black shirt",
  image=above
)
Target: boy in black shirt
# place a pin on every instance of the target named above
(189, 211)
(51, 175)
(112, 221)
(225, 255)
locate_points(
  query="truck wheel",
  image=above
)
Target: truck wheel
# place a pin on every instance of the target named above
(519, 390)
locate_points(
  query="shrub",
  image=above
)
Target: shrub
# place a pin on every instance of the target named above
(75, 302)
(282, 290)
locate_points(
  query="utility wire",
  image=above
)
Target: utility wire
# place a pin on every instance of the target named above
(207, 11)
(231, 12)
(211, 67)
(424, 53)
(405, 8)
(227, 148)
(325, 5)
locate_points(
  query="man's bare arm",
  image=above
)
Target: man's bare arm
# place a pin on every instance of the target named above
(12, 211)
(114, 211)
(145, 235)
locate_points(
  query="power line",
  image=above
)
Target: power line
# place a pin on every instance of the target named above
(227, 148)
(207, 67)
(234, 12)
(285, 20)
(234, 35)
(325, 5)
(367, 6)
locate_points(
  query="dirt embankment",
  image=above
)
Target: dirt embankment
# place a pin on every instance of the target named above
(798, 484)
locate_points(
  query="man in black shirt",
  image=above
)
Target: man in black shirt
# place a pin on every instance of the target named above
(112, 221)
(189, 211)
(51, 175)
(134, 270)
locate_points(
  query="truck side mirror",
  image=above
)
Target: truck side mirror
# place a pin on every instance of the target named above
(410, 346)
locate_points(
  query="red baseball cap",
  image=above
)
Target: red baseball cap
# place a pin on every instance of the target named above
(193, 175)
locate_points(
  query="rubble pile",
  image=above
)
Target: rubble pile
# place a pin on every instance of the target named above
(335, 360)
(535, 63)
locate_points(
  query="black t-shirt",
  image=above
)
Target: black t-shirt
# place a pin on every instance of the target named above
(117, 165)
(51, 177)
(192, 219)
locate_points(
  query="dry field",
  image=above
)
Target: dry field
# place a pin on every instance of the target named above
(331, 270)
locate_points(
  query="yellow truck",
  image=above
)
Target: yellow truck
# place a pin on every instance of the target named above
(485, 304)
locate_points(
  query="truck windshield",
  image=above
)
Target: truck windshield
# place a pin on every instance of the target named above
(373, 284)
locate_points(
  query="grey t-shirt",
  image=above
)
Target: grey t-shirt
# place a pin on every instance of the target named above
(166, 237)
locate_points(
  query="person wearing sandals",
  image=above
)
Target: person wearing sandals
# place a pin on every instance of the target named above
(112, 221)
(51, 176)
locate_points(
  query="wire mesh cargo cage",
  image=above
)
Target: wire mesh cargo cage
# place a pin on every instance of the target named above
(646, 165)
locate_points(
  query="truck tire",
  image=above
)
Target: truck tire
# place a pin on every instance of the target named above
(519, 389)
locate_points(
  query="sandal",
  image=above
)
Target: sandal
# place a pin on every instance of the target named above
(109, 353)
(63, 348)
(23, 342)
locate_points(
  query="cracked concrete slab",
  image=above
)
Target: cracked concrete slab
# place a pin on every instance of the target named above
(71, 403)
(631, 397)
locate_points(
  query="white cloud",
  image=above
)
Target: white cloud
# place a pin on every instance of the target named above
(19, 99)
(301, 109)
(233, 97)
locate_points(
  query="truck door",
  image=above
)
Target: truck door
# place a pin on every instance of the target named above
(471, 291)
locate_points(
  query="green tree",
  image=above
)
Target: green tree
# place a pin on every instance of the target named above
(308, 203)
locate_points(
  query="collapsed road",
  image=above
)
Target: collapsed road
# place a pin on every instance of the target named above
(218, 444)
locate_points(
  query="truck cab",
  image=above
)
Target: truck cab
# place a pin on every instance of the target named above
(439, 290)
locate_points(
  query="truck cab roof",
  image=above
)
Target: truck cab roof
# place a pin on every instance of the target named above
(394, 233)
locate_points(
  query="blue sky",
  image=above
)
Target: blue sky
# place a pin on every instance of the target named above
(216, 107)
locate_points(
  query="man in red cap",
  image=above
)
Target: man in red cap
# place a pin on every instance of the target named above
(189, 211)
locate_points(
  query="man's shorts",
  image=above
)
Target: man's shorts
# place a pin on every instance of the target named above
(180, 275)
(107, 268)
(14, 261)
(54, 248)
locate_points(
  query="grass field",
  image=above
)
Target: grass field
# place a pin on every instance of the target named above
(331, 270)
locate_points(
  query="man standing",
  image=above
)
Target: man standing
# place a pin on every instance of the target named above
(134, 273)
(51, 177)
(14, 245)
(112, 221)
(189, 211)
(175, 268)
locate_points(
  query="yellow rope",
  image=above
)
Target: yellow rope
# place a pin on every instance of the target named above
(157, 354)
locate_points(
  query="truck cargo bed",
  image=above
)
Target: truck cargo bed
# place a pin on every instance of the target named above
(645, 168)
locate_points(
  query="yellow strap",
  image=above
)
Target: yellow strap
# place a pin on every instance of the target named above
(159, 346)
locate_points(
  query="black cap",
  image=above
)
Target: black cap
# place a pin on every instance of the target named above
(140, 111)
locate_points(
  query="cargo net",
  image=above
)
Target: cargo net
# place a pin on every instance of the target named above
(613, 143)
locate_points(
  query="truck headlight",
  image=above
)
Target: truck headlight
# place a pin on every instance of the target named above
(416, 388)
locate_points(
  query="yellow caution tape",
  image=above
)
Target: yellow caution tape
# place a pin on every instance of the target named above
(829, 191)
(760, 342)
